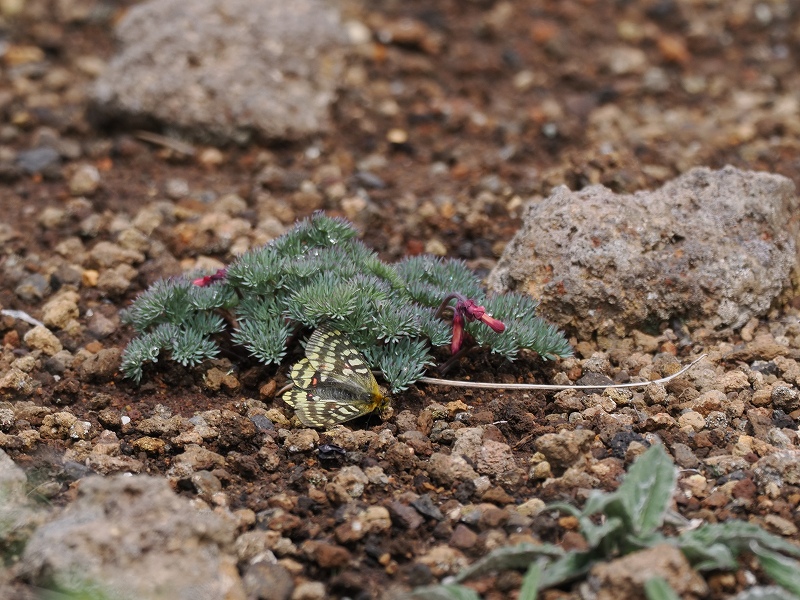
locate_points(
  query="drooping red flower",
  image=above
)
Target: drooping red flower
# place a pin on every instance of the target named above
(207, 280)
(458, 333)
(466, 311)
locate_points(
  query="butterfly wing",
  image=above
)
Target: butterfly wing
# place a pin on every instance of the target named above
(327, 405)
(337, 360)
(333, 384)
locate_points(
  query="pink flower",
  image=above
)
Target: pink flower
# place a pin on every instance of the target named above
(458, 333)
(466, 311)
(207, 280)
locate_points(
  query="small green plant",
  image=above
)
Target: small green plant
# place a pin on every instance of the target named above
(319, 273)
(630, 519)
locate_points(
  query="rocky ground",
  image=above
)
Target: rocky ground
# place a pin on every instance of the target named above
(449, 120)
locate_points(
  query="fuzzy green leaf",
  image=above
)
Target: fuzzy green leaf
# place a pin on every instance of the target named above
(782, 570)
(707, 557)
(647, 490)
(444, 592)
(657, 588)
(266, 340)
(766, 592)
(190, 347)
(402, 362)
(510, 557)
(569, 567)
(530, 583)
(733, 536)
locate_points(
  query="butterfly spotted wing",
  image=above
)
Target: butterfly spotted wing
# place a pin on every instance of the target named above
(333, 384)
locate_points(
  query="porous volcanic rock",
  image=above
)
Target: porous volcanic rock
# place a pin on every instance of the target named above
(713, 247)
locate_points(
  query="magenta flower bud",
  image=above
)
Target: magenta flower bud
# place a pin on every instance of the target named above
(458, 333)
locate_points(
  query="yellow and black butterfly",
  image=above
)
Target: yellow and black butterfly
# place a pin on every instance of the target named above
(333, 383)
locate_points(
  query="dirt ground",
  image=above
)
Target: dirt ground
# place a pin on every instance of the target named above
(477, 108)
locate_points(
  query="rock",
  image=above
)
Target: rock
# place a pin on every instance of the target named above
(565, 448)
(275, 76)
(100, 366)
(531, 508)
(266, 581)
(715, 247)
(463, 537)
(59, 311)
(198, 458)
(216, 379)
(405, 516)
(327, 556)
(85, 181)
(150, 445)
(57, 425)
(41, 338)
(692, 419)
(781, 468)
(258, 543)
(497, 460)
(684, 457)
(447, 469)
(301, 440)
(18, 519)
(176, 188)
(624, 578)
(310, 590)
(101, 326)
(45, 160)
(134, 534)
(763, 347)
(108, 254)
(424, 505)
(785, 398)
(16, 383)
(374, 519)
(468, 442)
(781, 526)
(443, 560)
(352, 479)
(33, 288)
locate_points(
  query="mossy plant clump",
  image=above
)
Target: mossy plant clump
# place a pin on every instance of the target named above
(319, 272)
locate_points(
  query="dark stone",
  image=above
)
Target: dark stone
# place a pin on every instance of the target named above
(425, 506)
(404, 516)
(39, 160)
(620, 442)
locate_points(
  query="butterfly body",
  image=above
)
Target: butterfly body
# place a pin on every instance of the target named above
(334, 383)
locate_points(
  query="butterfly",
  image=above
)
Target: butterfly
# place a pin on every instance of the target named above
(333, 383)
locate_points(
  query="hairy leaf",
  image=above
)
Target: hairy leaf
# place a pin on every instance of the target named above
(782, 570)
(530, 583)
(765, 592)
(509, 557)
(657, 588)
(647, 490)
(444, 592)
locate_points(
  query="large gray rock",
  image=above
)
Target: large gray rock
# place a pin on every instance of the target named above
(713, 247)
(130, 538)
(18, 516)
(225, 69)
